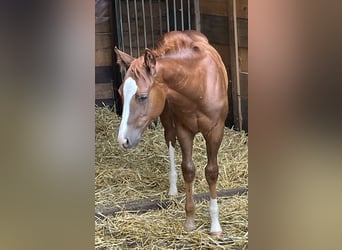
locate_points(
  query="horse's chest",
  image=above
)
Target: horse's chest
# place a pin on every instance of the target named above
(186, 110)
(185, 117)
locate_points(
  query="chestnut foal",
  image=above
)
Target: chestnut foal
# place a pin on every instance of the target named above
(184, 81)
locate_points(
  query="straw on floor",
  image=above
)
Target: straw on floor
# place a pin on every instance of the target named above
(142, 173)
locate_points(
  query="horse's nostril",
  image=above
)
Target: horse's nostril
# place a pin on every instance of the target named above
(126, 144)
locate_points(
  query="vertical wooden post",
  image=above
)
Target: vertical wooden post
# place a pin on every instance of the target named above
(116, 71)
(234, 57)
(197, 15)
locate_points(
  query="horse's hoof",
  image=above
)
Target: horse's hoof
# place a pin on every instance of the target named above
(189, 226)
(216, 235)
(173, 192)
(172, 196)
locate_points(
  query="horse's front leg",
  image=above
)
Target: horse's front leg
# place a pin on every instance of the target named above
(170, 139)
(173, 172)
(185, 139)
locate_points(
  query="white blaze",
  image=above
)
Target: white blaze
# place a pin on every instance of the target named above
(214, 215)
(129, 90)
(173, 172)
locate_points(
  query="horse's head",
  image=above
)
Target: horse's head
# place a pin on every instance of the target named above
(142, 96)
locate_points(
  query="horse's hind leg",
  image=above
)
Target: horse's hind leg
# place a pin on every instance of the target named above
(213, 142)
(170, 139)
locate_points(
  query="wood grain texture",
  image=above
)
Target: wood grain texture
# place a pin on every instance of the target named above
(224, 51)
(214, 7)
(242, 8)
(243, 59)
(242, 26)
(103, 74)
(103, 57)
(104, 91)
(103, 41)
(215, 28)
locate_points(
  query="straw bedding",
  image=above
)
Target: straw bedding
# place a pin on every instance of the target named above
(128, 175)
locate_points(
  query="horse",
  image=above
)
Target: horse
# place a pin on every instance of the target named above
(184, 82)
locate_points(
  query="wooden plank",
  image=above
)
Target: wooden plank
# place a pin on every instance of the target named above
(224, 52)
(214, 7)
(244, 100)
(103, 41)
(243, 59)
(104, 27)
(244, 110)
(104, 91)
(242, 8)
(197, 12)
(154, 203)
(242, 25)
(230, 118)
(221, 8)
(215, 28)
(233, 68)
(103, 57)
(244, 84)
(103, 74)
(102, 8)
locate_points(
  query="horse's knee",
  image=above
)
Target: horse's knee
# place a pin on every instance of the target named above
(211, 173)
(189, 171)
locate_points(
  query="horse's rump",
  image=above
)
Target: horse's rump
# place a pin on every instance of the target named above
(178, 40)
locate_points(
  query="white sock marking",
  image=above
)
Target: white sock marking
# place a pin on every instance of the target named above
(129, 90)
(173, 173)
(214, 215)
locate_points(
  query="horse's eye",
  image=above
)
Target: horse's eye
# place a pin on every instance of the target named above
(142, 98)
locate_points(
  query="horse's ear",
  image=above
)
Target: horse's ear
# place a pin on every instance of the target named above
(150, 61)
(123, 59)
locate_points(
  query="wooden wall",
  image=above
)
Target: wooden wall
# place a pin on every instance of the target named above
(216, 22)
(104, 55)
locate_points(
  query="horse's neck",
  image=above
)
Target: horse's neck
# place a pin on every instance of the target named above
(174, 74)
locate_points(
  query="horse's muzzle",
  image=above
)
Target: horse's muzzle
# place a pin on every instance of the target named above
(127, 143)
(124, 143)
